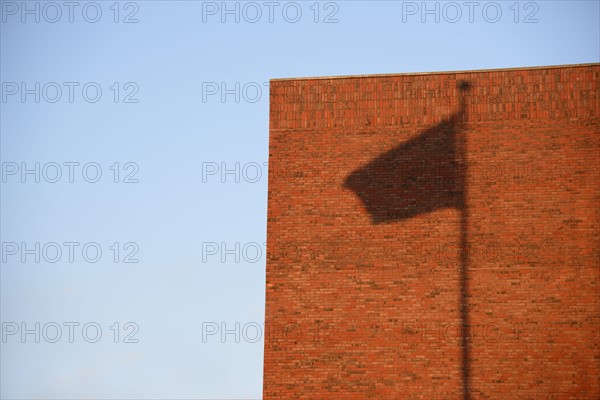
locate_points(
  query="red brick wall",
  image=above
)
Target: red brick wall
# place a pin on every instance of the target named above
(357, 310)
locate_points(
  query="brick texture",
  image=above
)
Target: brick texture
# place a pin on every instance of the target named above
(357, 309)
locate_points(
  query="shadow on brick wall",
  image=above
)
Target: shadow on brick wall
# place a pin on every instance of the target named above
(421, 175)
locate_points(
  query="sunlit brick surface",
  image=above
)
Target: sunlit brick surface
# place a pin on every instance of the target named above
(358, 310)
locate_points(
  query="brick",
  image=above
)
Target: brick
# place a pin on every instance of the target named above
(372, 310)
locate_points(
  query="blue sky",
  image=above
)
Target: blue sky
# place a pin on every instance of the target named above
(134, 143)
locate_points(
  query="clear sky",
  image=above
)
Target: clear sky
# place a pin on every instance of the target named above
(134, 143)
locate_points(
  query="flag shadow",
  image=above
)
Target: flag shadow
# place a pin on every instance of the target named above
(424, 174)
(418, 176)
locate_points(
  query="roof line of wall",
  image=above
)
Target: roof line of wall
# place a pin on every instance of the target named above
(436, 72)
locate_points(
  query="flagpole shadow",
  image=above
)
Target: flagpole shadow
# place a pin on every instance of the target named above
(461, 144)
(421, 175)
